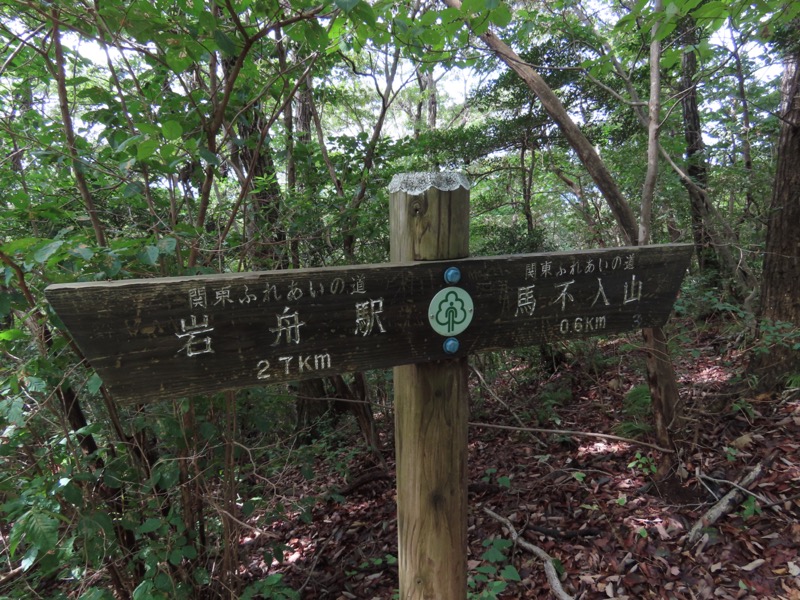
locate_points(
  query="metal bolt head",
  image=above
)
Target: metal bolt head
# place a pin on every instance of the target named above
(451, 345)
(452, 275)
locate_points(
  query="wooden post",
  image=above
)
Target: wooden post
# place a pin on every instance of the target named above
(429, 220)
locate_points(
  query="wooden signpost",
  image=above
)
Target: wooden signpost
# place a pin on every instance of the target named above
(179, 336)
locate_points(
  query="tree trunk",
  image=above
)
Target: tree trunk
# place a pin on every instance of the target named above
(777, 358)
(696, 167)
(433, 103)
(661, 378)
(59, 71)
(311, 405)
(747, 157)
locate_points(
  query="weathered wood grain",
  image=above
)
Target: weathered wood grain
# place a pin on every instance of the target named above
(430, 405)
(159, 338)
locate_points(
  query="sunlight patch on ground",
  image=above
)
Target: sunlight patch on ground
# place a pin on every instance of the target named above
(627, 483)
(300, 548)
(712, 375)
(604, 447)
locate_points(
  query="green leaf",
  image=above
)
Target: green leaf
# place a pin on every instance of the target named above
(149, 526)
(168, 152)
(665, 29)
(316, 35)
(132, 189)
(559, 567)
(29, 558)
(46, 251)
(111, 264)
(671, 10)
(225, 43)
(501, 16)
(146, 149)
(347, 5)
(71, 493)
(13, 410)
(172, 130)
(10, 335)
(670, 58)
(166, 245)
(510, 573)
(179, 61)
(38, 529)
(94, 383)
(365, 14)
(471, 7)
(144, 591)
(123, 145)
(147, 128)
(82, 251)
(96, 594)
(493, 555)
(208, 156)
(717, 9)
(164, 582)
(149, 255)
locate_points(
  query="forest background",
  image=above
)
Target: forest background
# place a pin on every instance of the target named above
(155, 138)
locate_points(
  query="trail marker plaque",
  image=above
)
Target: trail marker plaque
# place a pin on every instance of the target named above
(179, 336)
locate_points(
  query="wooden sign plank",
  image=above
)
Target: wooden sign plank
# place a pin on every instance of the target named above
(178, 336)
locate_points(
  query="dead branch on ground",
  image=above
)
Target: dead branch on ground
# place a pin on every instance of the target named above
(549, 568)
(730, 500)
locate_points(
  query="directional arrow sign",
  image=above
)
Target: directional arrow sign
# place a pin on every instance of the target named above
(178, 336)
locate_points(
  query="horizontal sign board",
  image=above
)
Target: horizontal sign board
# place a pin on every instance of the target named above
(180, 336)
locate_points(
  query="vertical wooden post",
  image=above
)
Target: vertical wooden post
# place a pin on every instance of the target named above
(429, 220)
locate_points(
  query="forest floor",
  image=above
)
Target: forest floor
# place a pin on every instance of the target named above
(590, 503)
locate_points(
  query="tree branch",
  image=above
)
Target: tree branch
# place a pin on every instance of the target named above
(577, 140)
(549, 568)
(604, 436)
(730, 500)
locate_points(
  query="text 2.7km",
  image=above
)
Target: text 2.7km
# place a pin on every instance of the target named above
(294, 364)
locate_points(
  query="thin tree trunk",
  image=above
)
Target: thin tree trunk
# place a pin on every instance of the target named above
(387, 97)
(696, 167)
(747, 158)
(661, 378)
(433, 102)
(778, 358)
(231, 527)
(69, 134)
(653, 123)
(527, 186)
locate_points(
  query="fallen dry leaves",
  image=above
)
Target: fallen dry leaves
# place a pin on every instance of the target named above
(614, 532)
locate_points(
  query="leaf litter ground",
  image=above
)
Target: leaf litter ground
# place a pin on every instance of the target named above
(590, 503)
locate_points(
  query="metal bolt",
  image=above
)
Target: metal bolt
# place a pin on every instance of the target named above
(452, 275)
(451, 345)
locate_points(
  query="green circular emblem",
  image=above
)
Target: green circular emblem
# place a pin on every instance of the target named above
(450, 311)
